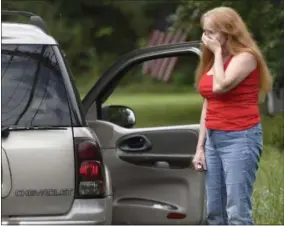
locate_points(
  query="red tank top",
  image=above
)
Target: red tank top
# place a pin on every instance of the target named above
(234, 110)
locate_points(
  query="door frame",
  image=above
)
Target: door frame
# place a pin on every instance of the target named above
(105, 85)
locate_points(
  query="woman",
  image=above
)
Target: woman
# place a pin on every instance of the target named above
(231, 74)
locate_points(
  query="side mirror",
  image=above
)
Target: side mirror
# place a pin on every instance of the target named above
(119, 115)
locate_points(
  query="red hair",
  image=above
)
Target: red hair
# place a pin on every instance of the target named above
(228, 21)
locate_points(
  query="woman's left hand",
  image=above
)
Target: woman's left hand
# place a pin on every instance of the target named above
(211, 43)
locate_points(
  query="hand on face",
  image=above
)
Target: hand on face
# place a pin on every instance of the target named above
(211, 43)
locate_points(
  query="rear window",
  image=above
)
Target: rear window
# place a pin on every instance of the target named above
(32, 88)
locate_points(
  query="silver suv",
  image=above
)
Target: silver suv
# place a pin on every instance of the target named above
(67, 161)
(52, 168)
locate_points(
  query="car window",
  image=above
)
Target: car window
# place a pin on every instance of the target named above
(160, 92)
(33, 92)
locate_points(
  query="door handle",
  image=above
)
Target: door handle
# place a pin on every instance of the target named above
(162, 165)
(134, 143)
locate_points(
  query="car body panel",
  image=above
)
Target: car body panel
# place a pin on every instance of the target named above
(80, 211)
(42, 172)
(15, 33)
(6, 178)
(147, 186)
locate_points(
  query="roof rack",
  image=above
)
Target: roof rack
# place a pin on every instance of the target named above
(33, 18)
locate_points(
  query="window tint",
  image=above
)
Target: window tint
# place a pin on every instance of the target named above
(33, 92)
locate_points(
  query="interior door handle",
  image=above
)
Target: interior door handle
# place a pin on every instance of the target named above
(134, 143)
(162, 164)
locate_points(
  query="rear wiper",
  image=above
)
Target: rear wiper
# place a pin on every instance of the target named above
(5, 130)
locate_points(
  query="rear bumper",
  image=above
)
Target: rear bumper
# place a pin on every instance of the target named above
(83, 211)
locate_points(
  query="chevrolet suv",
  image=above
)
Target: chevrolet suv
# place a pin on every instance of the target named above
(52, 167)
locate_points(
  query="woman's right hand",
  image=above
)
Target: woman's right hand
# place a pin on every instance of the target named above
(198, 161)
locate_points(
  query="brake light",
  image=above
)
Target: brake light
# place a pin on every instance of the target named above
(90, 171)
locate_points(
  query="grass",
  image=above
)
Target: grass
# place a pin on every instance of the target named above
(268, 196)
(184, 108)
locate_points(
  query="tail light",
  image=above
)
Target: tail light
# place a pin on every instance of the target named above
(90, 181)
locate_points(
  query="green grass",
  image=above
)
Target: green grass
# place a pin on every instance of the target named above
(268, 196)
(184, 108)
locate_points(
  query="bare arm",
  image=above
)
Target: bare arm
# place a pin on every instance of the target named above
(239, 68)
(202, 131)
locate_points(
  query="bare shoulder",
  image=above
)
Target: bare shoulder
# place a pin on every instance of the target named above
(248, 56)
(246, 59)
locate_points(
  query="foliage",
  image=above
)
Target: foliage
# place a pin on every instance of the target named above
(278, 134)
(95, 33)
(91, 30)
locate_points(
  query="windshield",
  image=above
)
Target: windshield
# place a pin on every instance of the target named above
(32, 87)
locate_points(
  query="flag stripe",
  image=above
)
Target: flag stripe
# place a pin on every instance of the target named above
(166, 61)
(162, 69)
(152, 40)
(158, 63)
(159, 41)
(170, 67)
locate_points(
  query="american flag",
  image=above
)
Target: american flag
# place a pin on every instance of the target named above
(162, 69)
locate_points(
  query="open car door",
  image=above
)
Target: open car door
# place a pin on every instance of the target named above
(153, 182)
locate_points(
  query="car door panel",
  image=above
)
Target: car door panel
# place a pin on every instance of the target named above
(173, 146)
(154, 183)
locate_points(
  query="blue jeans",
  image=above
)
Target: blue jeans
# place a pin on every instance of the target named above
(232, 159)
